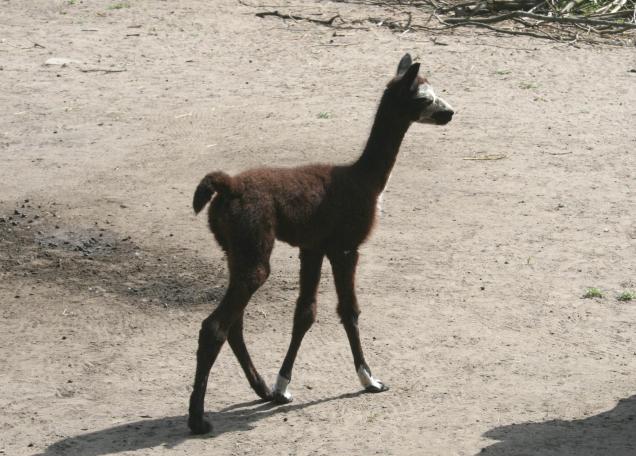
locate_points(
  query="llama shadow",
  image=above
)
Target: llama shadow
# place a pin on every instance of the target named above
(611, 433)
(170, 431)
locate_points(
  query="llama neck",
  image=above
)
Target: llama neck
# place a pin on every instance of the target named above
(377, 159)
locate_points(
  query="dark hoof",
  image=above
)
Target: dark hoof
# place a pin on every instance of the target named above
(264, 393)
(375, 389)
(282, 399)
(199, 426)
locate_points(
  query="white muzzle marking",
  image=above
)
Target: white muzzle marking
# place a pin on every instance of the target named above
(425, 91)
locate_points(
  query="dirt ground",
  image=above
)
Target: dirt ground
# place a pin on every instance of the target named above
(471, 285)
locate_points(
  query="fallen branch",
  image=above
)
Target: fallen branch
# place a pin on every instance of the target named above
(327, 22)
(333, 44)
(487, 157)
(102, 70)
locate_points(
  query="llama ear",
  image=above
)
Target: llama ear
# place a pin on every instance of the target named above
(404, 64)
(410, 77)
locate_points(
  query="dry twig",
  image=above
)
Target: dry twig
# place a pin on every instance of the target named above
(487, 157)
(102, 70)
(327, 22)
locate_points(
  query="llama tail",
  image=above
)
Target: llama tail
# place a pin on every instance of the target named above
(214, 182)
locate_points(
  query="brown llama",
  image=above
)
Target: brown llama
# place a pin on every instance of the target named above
(324, 210)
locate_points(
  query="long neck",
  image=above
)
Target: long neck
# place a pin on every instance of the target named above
(377, 159)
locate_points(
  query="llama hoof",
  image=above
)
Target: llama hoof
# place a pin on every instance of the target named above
(281, 398)
(281, 393)
(376, 388)
(369, 382)
(264, 393)
(199, 426)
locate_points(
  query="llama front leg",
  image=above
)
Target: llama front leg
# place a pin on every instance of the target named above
(343, 265)
(304, 317)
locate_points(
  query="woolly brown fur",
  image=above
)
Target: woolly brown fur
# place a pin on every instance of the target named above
(325, 210)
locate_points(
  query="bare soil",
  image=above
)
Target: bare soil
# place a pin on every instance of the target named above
(471, 286)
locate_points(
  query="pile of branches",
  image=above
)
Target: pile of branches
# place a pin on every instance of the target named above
(561, 20)
(555, 19)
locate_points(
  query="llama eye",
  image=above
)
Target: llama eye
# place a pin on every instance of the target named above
(424, 101)
(425, 91)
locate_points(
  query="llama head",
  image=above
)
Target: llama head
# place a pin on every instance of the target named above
(415, 97)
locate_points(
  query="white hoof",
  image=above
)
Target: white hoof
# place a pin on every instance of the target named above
(280, 390)
(369, 382)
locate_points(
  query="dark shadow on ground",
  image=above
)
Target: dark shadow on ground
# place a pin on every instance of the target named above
(39, 248)
(171, 431)
(611, 433)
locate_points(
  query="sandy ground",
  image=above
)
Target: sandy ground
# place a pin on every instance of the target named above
(470, 286)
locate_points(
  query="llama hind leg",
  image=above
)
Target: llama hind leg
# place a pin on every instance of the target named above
(212, 336)
(214, 332)
(237, 343)
(304, 317)
(343, 265)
